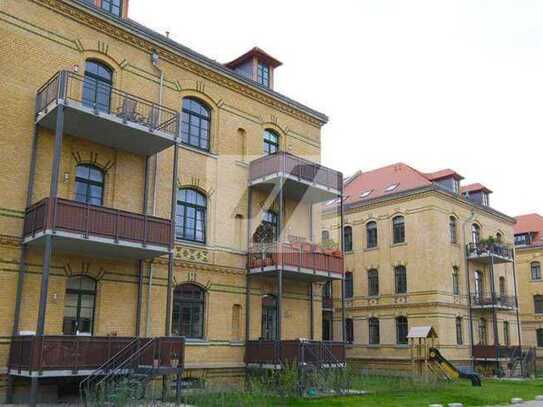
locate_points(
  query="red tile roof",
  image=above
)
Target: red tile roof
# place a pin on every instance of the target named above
(474, 188)
(532, 222)
(377, 181)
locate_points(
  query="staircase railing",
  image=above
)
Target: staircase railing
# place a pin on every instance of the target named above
(114, 367)
(107, 366)
(127, 367)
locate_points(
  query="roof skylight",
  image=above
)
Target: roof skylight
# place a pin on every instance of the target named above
(391, 187)
(365, 194)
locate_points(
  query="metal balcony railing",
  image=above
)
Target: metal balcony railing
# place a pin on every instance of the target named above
(489, 300)
(289, 165)
(479, 250)
(296, 255)
(72, 88)
(90, 220)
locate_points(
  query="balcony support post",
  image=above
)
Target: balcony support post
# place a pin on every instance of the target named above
(494, 316)
(311, 313)
(342, 243)
(516, 299)
(280, 256)
(141, 263)
(248, 276)
(171, 258)
(24, 253)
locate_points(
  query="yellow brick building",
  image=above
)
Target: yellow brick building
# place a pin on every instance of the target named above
(136, 173)
(422, 250)
(529, 255)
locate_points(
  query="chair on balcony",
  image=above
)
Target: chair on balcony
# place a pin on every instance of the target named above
(128, 111)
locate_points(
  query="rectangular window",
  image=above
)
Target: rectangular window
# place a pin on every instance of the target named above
(374, 335)
(455, 282)
(263, 74)
(401, 330)
(538, 304)
(506, 336)
(459, 332)
(373, 283)
(348, 285)
(400, 276)
(349, 330)
(539, 333)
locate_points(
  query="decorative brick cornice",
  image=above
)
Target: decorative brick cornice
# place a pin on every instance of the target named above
(168, 53)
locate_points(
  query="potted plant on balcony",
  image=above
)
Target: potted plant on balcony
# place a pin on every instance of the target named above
(174, 359)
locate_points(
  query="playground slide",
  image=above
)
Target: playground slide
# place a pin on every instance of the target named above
(452, 372)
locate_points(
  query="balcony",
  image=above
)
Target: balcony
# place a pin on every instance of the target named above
(302, 178)
(304, 261)
(494, 352)
(487, 300)
(96, 230)
(496, 253)
(122, 121)
(275, 354)
(63, 355)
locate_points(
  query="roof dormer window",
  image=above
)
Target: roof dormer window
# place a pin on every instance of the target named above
(365, 194)
(256, 65)
(263, 74)
(113, 6)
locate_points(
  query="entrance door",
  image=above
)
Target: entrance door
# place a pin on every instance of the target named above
(326, 325)
(269, 317)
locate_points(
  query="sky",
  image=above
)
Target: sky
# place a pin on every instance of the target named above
(431, 83)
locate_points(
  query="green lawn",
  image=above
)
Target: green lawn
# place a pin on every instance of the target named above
(390, 392)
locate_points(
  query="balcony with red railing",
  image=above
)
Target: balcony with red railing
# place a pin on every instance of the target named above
(67, 355)
(113, 118)
(302, 178)
(278, 354)
(96, 230)
(296, 260)
(494, 352)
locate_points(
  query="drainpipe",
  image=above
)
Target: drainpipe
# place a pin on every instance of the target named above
(470, 320)
(154, 162)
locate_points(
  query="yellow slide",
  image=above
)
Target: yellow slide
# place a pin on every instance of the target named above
(448, 370)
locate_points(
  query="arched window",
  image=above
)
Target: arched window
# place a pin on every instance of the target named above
(349, 330)
(483, 337)
(325, 236)
(373, 330)
(475, 233)
(402, 329)
(270, 220)
(452, 229)
(79, 304)
(535, 268)
(113, 6)
(269, 317)
(195, 123)
(400, 279)
(373, 282)
(371, 234)
(348, 238)
(479, 286)
(455, 281)
(97, 86)
(271, 142)
(89, 184)
(539, 337)
(348, 284)
(499, 237)
(398, 226)
(538, 304)
(188, 311)
(459, 331)
(190, 216)
(502, 287)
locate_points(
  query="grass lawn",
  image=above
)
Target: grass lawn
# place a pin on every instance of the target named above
(390, 392)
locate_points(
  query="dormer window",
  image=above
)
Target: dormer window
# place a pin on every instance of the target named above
(256, 65)
(113, 6)
(365, 194)
(263, 74)
(484, 199)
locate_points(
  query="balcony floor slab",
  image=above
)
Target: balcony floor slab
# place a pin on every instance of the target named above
(294, 273)
(96, 246)
(106, 129)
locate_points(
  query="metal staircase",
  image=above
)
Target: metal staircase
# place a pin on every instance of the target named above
(129, 371)
(522, 362)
